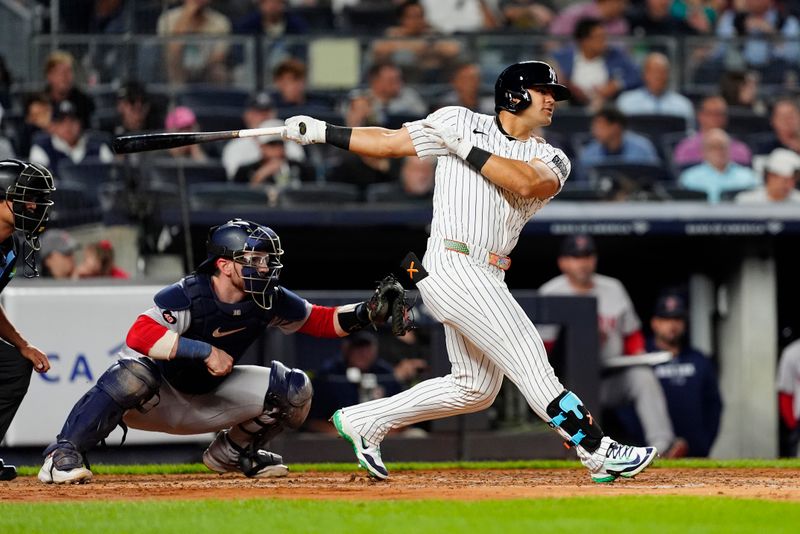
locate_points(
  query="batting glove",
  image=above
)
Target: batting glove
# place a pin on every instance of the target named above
(446, 137)
(555, 159)
(304, 130)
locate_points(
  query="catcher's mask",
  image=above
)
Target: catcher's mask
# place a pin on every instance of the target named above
(256, 248)
(29, 195)
(511, 88)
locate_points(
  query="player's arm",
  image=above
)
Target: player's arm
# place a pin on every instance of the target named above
(367, 141)
(9, 333)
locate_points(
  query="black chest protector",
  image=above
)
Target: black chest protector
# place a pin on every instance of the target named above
(229, 327)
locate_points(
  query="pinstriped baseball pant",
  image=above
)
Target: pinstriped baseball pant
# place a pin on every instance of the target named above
(488, 336)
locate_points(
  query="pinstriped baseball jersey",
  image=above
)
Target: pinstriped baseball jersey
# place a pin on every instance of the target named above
(488, 334)
(466, 206)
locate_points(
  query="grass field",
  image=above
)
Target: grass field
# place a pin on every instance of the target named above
(615, 512)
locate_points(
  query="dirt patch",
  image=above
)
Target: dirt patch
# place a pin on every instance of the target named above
(774, 484)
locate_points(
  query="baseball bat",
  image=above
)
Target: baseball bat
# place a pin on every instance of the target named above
(128, 144)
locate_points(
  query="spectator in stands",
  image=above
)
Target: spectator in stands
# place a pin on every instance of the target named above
(38, 111)
(60, 76)
(183, 119)
(415, 182)
(457, 16)
(785, 121)
(689, 379)
(620, 335)
(290, 80)
(655, 17)
(193, 61)
(789, 394)
(135, 109)
(389, 95)
(701, 15)
(534, 15)
(656, 97)
(781, 173)
(718, 173)
(272, 20)
(5, 84)
(610, 14)
(739, 88)
(594, 71)
(613, 143)
(357, 376)
(712, 114)
(98, 262)
(273, 167)
(465, 83)
(67, 140)
(759, 21)
(413, 44)
(362, 171)
(58, 254)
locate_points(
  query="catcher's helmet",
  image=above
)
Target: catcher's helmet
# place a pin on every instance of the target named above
(257, 248)
(510, 90)
(29, 194)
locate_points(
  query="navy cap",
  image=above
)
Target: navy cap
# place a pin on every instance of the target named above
(362, 338)
(578, 245)
(260, 101)
(65, 108)
(671, 306)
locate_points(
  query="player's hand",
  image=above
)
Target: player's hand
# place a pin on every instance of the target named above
(38, 358)
(555, 159)
(304, 130)
(219, 362)
(446, 137)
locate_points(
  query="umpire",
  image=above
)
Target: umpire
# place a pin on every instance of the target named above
(25, 208)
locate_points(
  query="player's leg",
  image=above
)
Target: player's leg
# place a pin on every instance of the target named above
(253, 405)
(15, 376)
(471, 386)
(639, 385)
(129, 383)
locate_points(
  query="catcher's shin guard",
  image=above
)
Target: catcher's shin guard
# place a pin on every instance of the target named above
(573, 420)
(129, 383)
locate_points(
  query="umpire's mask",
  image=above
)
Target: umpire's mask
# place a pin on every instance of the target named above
(29, 195)
(260, 258)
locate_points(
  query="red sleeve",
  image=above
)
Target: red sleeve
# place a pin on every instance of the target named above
(144, 333)
(320, 322)
(634, 343)
(786, 408)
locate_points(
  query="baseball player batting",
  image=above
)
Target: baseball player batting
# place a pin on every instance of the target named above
(492, 176)
(177, 372)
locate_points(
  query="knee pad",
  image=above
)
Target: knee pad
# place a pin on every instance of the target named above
(131, 382)
(289, 393)
(568, 413)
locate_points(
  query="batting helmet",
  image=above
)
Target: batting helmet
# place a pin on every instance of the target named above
(510, 90)
(29, 194)
(257, 248)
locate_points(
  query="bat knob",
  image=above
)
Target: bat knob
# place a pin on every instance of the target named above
(303, 128)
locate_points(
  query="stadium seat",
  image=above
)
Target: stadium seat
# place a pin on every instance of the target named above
(391, 193)
(368, 19)
(641, 173)
(319, 193)
(73, 205)
(204, 96)
(218, 118)
(319, 18)
(676, 192)
(166, 171)
(743, 122)
(212, 196)
(575, 191)
(569, 121)
(655, 126)
(92, 173)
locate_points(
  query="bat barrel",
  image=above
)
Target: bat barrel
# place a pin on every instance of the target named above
(128, 144)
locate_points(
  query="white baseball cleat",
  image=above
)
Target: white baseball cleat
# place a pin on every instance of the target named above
(369, 455)
(624, 461)
(67, 468)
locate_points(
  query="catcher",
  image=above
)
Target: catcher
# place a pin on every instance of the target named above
(178, 373)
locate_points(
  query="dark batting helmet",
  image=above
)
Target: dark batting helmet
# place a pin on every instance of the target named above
(510, 90)
(256, 248)
(29, 194)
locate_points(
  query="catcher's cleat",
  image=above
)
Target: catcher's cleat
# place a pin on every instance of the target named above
(369, 455)
(64, 465)
(624, 461)
(7, 472)
(227, 457)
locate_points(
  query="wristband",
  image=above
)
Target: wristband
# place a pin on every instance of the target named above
(192, 349)
(478, 157)
(338, 136)
(355, 318)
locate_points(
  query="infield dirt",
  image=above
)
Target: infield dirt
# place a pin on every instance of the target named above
(772, 484)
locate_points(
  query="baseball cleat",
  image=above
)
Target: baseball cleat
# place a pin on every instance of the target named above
(624, 461)
(7, 472)
(369, 456)
(64, 466)
(261, 464)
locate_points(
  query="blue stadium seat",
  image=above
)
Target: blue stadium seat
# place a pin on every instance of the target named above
(165, 171)
(210, 196)
(319, 193)
(218, 118)
(92, 173)
(202, 96)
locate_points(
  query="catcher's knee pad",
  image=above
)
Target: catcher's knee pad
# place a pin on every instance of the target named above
(129, 383)
(568, 413)
(289, 393)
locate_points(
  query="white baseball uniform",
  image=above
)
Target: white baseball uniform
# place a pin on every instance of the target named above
(488, 335)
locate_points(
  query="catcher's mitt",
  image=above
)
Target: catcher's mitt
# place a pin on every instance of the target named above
(389, 300)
